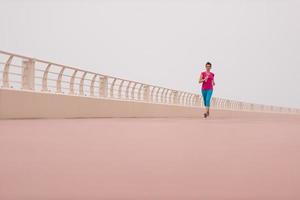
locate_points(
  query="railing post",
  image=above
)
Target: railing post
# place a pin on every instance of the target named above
(111, 89)
(151, 94)
(194, 99)
(166, 96)
(175, 97)
(162, 96)
(103, 86)
(6, 72)
(183, 98)
(227, 104)
(156, 96)
(120, 89)
(170, 97)
(59, 78)
(188, 99)
(139, 92)
(146, 93)
(28, 74)
(127, 90)
(92, 86)
(198, 100)
(179, 99)
(72, 82)
(133, 90)
(81, 86)
(213, 102)
(45, 78)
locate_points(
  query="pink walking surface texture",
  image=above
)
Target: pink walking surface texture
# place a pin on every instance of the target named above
(230, 156)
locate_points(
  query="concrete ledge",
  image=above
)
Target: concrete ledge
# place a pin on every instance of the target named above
(17, 104)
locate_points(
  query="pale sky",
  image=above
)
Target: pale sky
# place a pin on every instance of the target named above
(254, 45)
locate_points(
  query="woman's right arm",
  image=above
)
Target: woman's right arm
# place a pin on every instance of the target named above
(201, 79)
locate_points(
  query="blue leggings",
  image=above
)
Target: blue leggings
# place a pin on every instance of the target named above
(206, 94)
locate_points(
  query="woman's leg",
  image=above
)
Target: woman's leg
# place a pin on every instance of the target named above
(208, 99)
(204, 95)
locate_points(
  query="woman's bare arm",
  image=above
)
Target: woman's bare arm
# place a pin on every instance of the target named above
(201, 80)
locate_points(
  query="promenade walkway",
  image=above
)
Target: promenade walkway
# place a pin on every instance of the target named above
(231, 156)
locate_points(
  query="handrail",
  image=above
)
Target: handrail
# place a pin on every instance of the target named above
(69, 67)
(28, 73)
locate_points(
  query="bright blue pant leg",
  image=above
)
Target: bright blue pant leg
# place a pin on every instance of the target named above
(206, 94)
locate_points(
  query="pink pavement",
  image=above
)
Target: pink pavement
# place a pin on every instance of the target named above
(230, 156)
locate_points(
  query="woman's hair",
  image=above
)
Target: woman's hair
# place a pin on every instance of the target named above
(208, 63)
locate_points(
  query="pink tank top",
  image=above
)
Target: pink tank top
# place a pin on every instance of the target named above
(207, 85)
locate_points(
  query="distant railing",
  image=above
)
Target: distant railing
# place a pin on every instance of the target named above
(26, 73)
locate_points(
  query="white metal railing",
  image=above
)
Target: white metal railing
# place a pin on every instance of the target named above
(26, 73)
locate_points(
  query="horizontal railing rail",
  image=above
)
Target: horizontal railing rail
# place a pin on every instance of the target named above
(27, 73)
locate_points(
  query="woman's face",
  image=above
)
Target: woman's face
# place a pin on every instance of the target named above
(208, 67)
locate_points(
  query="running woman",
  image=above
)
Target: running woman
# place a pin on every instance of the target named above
(207, 80)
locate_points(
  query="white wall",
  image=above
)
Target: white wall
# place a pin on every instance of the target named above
(21, 104)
